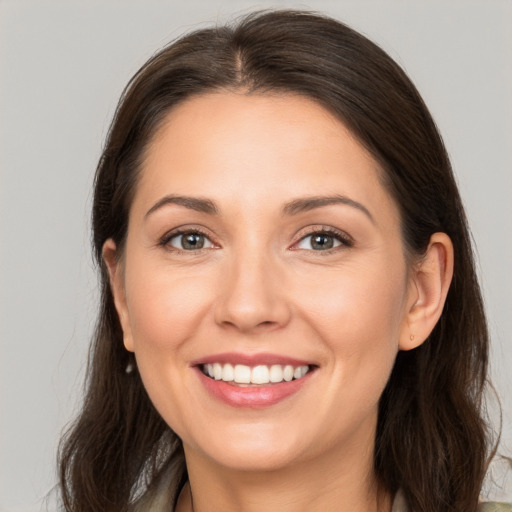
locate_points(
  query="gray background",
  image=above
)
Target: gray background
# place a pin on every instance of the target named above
(63, 66)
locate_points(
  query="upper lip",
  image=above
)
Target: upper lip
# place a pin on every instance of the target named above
(250, 359)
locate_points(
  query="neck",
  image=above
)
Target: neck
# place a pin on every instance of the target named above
(337, 483)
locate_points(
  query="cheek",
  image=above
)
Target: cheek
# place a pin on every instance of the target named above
(166, 309)
(358, 315)
(358, 321)
(165, 306)
(362, 299)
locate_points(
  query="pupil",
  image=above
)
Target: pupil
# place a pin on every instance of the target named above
(193, 241)
(322, 242)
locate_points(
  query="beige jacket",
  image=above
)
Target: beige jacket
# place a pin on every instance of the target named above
(400, 505)
(159, 502)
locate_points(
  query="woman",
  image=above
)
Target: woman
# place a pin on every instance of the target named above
(290, 315)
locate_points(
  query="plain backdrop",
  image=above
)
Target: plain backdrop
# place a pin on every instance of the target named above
(62, 68)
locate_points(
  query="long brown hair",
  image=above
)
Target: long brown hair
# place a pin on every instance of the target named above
(432, 441)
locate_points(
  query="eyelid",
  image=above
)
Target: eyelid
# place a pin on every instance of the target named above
(346, 240)
(174, 241)
(183, 230)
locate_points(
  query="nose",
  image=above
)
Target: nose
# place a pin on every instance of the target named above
(251, 296)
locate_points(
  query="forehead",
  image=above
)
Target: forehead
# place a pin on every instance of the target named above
(259, 149)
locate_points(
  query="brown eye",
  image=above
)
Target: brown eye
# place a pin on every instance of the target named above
(191, 241)
(320, 241)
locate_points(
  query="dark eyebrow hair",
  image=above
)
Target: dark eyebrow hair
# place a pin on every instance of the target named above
(294, 207)
(193, 203)
(310, 203)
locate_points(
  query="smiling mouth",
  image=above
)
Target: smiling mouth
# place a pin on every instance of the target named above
(245, 376)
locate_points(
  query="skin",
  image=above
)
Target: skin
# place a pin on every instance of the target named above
(258, 285)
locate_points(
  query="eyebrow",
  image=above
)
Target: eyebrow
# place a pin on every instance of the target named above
(310, 203)
(294, 207)
(198, 204)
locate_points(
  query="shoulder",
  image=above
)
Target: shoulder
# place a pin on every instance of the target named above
(400, 505)
(495, 507)
(163, 490)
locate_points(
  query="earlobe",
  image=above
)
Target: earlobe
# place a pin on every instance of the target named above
(113, 264)
(428, 287)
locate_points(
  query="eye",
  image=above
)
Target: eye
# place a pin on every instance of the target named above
(323, 241)
(189, 241)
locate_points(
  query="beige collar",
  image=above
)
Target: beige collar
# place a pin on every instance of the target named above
(399, 503)
(160, 500)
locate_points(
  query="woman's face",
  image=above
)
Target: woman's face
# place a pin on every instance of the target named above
(261, 245)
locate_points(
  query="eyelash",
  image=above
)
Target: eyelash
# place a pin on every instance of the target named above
(166, 239)
(346, 241)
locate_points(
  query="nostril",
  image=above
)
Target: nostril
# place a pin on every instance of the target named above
(251, 308)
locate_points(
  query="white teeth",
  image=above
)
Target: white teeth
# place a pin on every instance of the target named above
(228, 373)
(288, 373)
(217, 371)
(261, 374)
(276, 373)
(242, 374)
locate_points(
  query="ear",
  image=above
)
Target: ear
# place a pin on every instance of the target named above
(429, 283)
(115, 271)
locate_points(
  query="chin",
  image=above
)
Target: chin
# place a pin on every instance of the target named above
(252, 451)
(256, 460)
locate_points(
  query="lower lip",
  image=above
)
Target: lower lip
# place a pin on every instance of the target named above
(252, 396)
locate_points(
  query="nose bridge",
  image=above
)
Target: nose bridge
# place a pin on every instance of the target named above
(251, 292)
